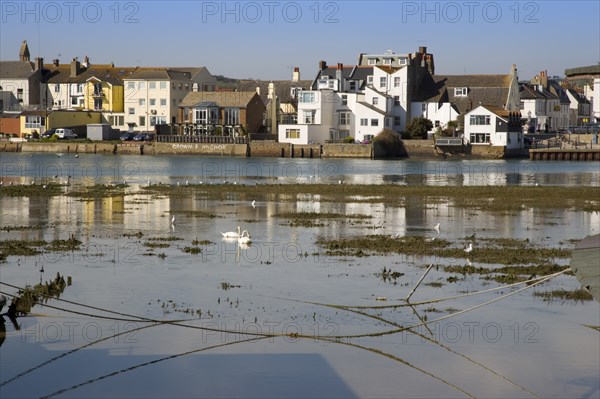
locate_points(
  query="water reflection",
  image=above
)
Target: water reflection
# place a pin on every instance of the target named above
(41, 168)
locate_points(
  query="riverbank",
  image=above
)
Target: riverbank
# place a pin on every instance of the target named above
(413, 149)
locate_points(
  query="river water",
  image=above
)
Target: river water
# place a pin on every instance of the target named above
(133, 269)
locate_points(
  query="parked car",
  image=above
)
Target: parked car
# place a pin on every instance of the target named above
(65, 134)
(48, 133)
(128, 136)
(144, 137)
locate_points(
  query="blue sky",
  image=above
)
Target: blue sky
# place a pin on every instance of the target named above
(266, 39)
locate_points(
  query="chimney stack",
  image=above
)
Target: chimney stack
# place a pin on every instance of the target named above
(296, 74)
(258, 90)
(39, 63)
(322, 65)
(56, 62)
(422, 50)
(75, 67)
(340, 66)
(271, 92)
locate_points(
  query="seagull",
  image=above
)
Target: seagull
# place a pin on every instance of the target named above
(177, 184)
(76, 156)
(469, 248)
(430, 239)
(253, 203)
(173, 220)
(187, 182)
(437, 227)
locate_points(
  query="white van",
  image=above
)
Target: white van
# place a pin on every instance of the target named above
(65, 134)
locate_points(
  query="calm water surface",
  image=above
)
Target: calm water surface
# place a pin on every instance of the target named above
(520, 346)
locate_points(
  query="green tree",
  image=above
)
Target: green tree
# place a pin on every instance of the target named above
(418, 127)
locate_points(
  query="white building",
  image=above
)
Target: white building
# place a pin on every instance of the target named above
(491, 125)
(152, 96)
(21, 82)
(358, 101)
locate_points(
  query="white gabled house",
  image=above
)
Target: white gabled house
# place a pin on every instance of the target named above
(493, 126)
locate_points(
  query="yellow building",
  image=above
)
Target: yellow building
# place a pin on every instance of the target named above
(39, 121)
(104, 94)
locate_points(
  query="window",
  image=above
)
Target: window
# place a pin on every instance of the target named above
(306, 97)
(163, 102)
(396, 121)
(142, 85)
(231, 116)
(387, 61)
(344, 118)
(116, 120)
(397, 81)
(57, 88)
(437, 124)
(374, 122)
(97, 104)
(158, 120)
(142, 102)
(163, 85)
(142, 121)
(74, 101)
(479, 138)
(382, 81)
(292, 133)
(33, 122)
(375, 101)
(131, 111)
(387, 122)
(97, 89)
(344, 99)
(131, 85)
(372, 61)
(152, 102)
(479, 120)
(364, 122)
(79, 88)
(403, 61)
(352, 85)
(396, 100)
(460, 91)
(424, 107)
(309, 116)
(152, 85)
(370, 80)
(20, 95)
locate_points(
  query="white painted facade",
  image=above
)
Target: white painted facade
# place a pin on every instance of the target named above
(484, 127)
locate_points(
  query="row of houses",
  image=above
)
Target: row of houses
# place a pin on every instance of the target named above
(388, 90)
(381, 91)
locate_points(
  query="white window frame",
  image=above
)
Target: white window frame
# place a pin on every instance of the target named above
(460, 91)
(292, 133)
(372, 61)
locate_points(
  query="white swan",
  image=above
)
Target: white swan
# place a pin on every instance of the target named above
(244, 238)
(232, 234)
(469, 248)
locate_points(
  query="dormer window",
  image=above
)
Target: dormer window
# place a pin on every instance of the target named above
(372, 61)
(403, 61)
(460, 91)
(387, 61)
(370, 79)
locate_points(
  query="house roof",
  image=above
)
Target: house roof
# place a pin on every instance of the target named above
(237, 99)
(112, 75)
(283, 88)
(586, 70)
(482, 89)
(372, 108)
(16, 69)
(532, 92)
(360, 72)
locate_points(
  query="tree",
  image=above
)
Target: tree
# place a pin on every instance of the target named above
(418, 127)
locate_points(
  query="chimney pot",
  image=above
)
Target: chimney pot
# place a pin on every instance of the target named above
(56, 62)
(340, 66)
(322, 65)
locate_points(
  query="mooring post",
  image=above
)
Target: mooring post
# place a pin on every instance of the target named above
(419, 282)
